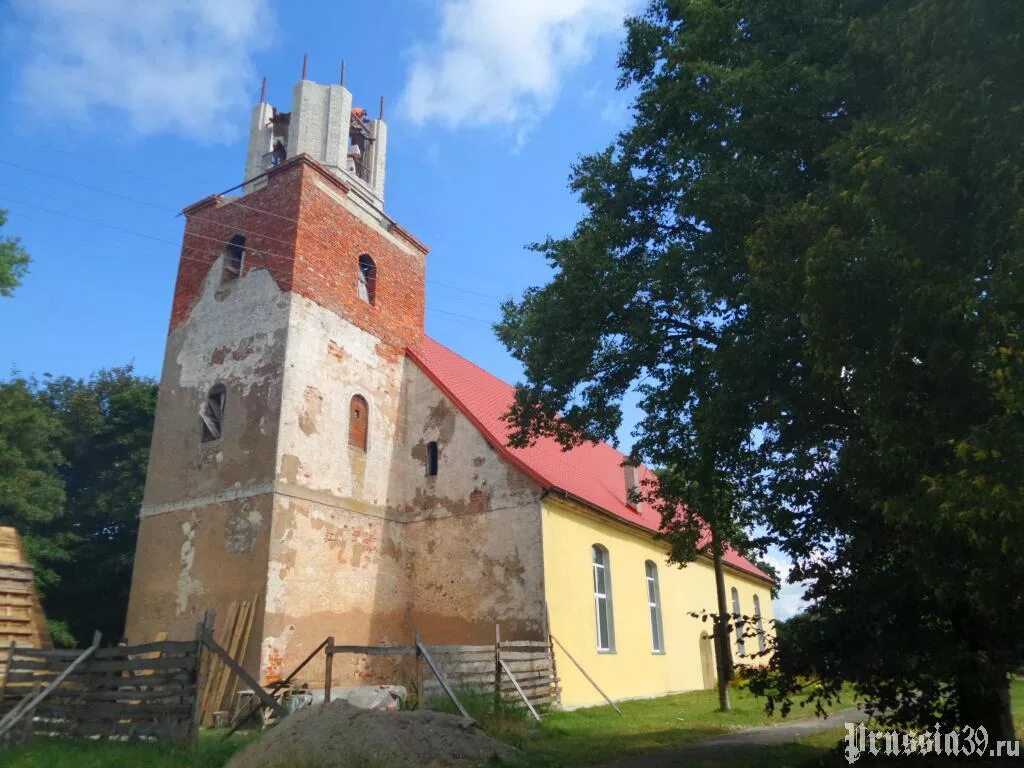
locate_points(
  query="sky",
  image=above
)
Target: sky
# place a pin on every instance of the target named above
(118, 114)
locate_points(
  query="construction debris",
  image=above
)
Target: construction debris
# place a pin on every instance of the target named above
(338, 735)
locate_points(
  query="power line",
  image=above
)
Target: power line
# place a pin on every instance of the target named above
(197, 217)
(208, 261)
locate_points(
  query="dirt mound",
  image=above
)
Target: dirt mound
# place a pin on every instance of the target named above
(338, 735)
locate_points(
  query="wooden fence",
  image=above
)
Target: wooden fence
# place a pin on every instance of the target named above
(137, 692)
(529, 663)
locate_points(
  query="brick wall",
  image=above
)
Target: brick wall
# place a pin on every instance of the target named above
(303, 230)
(330, 240)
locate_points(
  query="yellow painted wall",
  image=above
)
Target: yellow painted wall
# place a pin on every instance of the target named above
(633, 670)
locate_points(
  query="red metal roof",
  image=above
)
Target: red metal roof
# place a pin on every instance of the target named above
(591, 473)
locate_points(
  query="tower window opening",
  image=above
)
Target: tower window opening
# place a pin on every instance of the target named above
(212, 413)
(358, 422)
(367, 279)
(359, 140)
(234, 255)
(432, 458)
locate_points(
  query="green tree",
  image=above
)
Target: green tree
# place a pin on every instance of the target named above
(107, 425)
(805, 253)
(31, 492)
(14, 261)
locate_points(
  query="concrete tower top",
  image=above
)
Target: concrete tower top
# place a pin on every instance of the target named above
(324, 125)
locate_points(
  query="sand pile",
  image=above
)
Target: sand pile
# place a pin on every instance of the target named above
(338, 735)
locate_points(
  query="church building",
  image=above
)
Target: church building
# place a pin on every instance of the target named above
(316, 453)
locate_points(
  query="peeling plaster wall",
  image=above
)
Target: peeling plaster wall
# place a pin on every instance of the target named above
(473, 531)
(336, 560)
(235, 336)
(191, 560)
(333, 572)
(329, 360)
(207, 508)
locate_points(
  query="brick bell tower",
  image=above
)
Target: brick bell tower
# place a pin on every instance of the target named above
(280, 399)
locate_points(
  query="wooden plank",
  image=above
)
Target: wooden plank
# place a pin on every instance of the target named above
(203, 629)
(186, 648)
(181, 692)
(375, 650)
(91, 711)
(519, 690)
(305, 661)
(246, 678)
(7, 672)
(106, 681)
(12, 717)
(329, 670)
(451, 694)
(113, 665)
(584, 673)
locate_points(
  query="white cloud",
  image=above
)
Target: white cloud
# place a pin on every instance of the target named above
(160, 66)
(500, 63)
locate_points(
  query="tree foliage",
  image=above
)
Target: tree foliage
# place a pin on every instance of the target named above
(87, 443)
(14, 261)
(806, 252)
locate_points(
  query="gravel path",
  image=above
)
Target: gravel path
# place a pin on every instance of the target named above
(747, 738)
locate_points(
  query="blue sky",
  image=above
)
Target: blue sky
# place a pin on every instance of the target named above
(118, 114)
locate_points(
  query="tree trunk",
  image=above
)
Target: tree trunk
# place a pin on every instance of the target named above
(723, 648)
(985, 701)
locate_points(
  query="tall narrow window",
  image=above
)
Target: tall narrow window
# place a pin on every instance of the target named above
(603, 600)
(358, 422)
(234, 255)
(212, 413)
(654, 604)
(741, 647)
(367, 279)
(432, 458)
(759, 624)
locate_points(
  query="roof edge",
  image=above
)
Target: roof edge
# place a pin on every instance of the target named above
(545, 484)
(491, 438)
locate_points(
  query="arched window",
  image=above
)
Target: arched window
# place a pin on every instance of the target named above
(212, 413)
(603, 600)
(432, 458)
(358, 422)
(759, 624)
(741, 648)
(654, 604)
(367, 279)
(234, 255)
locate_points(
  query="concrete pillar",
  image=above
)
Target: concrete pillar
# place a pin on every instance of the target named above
(261, 142)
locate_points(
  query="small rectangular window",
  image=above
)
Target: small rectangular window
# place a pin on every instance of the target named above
(212, 413)
(234, 255)
(431, 458)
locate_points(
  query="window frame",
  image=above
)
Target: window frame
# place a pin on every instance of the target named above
(738, 623)
(759, 623)
(654, 607)
(367, 279)
(355, 401)
(211, 414)
(600, 564)
(233, 249)
(433, 458)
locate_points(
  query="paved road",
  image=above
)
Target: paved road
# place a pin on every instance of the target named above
(746, 738)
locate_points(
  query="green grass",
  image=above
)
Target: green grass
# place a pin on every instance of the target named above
(597, 734)
(211, 752)
(565, 739)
